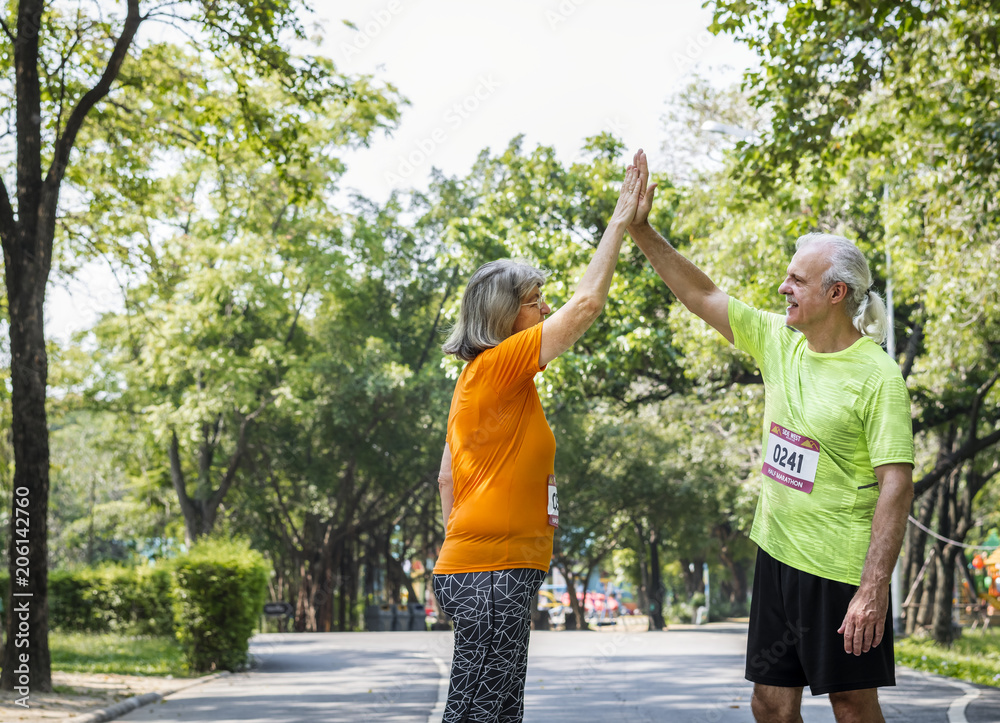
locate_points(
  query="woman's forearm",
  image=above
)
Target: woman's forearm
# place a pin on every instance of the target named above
(447, 502)
(446, 486)
(592, 291)
(571, 321)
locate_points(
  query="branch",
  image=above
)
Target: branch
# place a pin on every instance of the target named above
(949, 462)
(6, 214)
(978, 403)
(298, 310)
(65, 143)
(912, 344)
(234, 462)
(177, 477)
(437, 319)
(6, 31)
(295, 539)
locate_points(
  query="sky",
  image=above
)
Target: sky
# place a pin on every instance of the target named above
(478, 73)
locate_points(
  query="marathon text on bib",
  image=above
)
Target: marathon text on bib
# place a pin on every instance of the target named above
(791, 458)
(553, 507)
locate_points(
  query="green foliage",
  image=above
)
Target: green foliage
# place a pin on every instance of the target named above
(116, 654)
(104, 506)
(110, 598)
(974, 657)
(220, 590)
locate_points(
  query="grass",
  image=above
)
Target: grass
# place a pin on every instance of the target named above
(974, 657)
(117, 654)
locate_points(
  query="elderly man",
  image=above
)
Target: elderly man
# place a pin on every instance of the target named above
(836, 475)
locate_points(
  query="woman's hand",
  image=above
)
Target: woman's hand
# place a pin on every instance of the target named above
(645, 193)
(628, 199)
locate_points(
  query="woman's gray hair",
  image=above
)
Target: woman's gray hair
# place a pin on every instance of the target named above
(490, 305)
(848, 264)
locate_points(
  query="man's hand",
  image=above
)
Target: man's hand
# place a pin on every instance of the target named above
(645, 193)
(864, 623)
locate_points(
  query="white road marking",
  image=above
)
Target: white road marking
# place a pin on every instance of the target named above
(956, 711)
(437, 713)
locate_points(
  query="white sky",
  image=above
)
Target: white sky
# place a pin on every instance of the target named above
(479, 73)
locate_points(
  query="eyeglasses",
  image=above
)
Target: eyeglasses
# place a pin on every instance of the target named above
(539, 303)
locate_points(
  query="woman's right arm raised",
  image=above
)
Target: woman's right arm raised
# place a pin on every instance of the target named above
(565, 326)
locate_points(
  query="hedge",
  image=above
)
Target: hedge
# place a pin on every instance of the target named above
(209, 598)
(110, 598)
(219, 589)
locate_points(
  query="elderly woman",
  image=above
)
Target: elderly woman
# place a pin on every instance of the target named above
(497, 481)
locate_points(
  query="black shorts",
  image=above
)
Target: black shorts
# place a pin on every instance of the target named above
(793, 640)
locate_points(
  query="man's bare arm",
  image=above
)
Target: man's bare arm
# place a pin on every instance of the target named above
(688, 283)
(864, 624)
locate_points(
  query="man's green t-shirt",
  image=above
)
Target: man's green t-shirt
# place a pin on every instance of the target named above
(829, 420)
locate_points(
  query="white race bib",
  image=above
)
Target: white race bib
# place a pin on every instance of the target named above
(553, 506)
(791, 458)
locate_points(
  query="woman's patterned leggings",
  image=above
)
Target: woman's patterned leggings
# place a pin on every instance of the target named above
(492, 616)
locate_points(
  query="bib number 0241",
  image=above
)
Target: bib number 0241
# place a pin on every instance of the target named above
(791, 458)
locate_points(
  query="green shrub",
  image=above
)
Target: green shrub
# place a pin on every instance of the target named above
(136, 600)
(68, 607)
(974, 657)
(110, 598)
(679, 612)
(220, 587)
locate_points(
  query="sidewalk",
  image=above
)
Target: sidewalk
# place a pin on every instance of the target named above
(79, 693)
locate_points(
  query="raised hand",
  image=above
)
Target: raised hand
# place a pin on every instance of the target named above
(645, 192)
(628, 199)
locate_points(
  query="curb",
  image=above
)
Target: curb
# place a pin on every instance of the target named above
(127, 706)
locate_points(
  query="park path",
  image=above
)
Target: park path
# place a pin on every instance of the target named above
(685, 675)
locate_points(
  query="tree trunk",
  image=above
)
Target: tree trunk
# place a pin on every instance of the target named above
(539, 618)
(738, 585)
(345, 550)
(922, 587)
(577, 621)
(642, 598)
(27, 627)
(656, 586)
(27, 250)
(925, 611)
(352, 583)
(916, 551)
(943, 631)
(692, 575)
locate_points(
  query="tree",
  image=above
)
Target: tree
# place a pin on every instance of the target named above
(61, 65)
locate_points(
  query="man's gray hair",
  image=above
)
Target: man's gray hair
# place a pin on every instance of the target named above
(490, 305)
(865, 307)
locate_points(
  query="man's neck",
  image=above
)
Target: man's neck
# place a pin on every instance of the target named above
(832, 339)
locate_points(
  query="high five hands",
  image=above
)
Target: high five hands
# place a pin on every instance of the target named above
(635, 199)
(628, 199)
(646, 192)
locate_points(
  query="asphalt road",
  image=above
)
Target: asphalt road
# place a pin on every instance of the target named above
(690, 675)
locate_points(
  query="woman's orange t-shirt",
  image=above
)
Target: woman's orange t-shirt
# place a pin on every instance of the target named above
(502, 453)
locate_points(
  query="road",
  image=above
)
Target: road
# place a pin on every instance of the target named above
(689, 675)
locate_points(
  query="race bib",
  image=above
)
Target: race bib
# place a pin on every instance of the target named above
(553, 506)
(791, 459)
